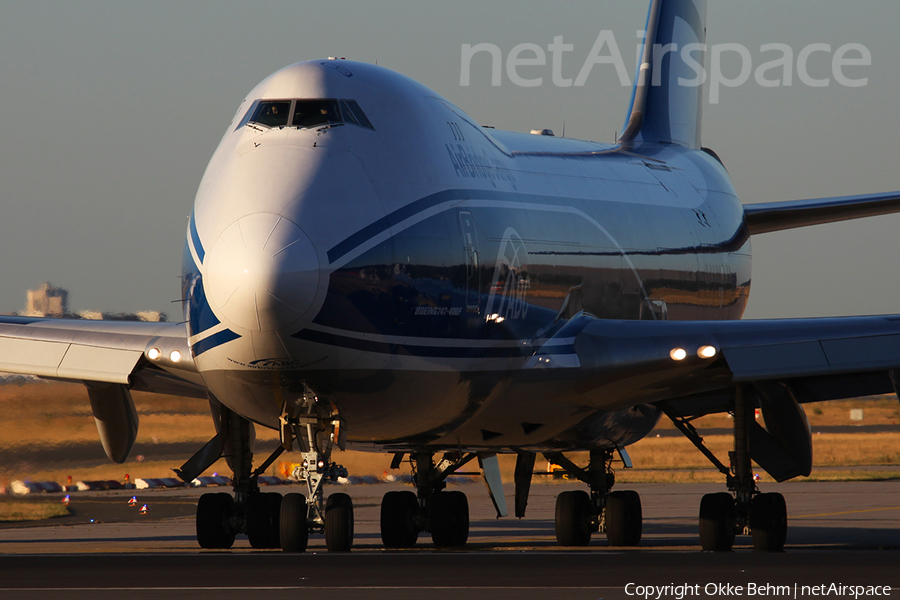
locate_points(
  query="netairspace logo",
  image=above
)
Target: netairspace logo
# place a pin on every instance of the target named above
(777, 70)
(726, 590)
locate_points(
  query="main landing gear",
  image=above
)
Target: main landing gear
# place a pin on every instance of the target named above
(268, 519)
(745, 510)
(579, 514)
(405, 514)
(221, 516)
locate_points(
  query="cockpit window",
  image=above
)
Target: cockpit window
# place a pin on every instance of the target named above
(354, 114)
(309, 113)
(273, 113)
(348, 116)
(305, 113)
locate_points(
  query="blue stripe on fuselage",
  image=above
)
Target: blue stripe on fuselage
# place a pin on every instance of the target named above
(411, 348)
(198, 312)
(451, 195)
(12, 320)
(394, 218)
(413, 208)
(216, 339)
(195, 238)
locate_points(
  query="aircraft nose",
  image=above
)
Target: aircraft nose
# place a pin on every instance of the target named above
(263, 272)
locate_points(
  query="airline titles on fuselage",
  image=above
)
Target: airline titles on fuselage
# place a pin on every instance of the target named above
(469, 163)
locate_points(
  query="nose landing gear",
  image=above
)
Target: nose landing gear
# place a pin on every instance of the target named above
(313, 513)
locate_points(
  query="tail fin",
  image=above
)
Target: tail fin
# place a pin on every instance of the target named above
(662, 109)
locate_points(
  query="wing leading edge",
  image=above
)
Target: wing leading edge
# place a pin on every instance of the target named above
(637, 361)
(111, 358)
(114, 352)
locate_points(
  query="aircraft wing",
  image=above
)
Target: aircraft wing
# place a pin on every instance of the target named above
(102, 352)
(639, 361)
(775, 216)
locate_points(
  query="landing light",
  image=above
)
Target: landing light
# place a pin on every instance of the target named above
(153, 353)
(678, 354)
(175, 356)
(707, 352)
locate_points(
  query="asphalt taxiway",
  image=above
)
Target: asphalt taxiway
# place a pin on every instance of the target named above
(839, 533)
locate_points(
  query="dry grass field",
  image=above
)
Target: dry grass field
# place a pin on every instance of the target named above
(47, 433)
(12, 510)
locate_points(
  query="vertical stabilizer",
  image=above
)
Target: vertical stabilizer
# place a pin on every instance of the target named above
(667, 95)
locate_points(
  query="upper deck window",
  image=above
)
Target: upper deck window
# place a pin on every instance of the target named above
(305, 113)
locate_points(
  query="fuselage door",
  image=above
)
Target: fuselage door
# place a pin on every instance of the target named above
(473, 273)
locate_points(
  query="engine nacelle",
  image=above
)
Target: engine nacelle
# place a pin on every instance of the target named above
(784, 448)
(617, 428)
(116, 418)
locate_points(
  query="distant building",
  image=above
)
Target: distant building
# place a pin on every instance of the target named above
(152, 315)
(51, 301)
(47, 301)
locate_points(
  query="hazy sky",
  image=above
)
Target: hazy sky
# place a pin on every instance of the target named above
(110, 110)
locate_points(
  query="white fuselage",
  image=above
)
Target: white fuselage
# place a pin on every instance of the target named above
(404, 264)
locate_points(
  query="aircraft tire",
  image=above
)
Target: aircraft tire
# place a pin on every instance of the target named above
(293, 527)
(449, 519)
(398, 510)
(214, 512)
(768, 522)
(263, 516)
(623, 518)
(339, 523)
(717, 522)
(573, 518)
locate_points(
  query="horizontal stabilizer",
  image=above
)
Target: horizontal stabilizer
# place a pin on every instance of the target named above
(775, 216)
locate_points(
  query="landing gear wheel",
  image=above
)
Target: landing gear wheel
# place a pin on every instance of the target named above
(623, 518)
(214, 512)
(449, 519)
(768, 522)
(573, 518)
(339, 523)
(398, 509)
(717, 522)
(293, 527)
(263, 516)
